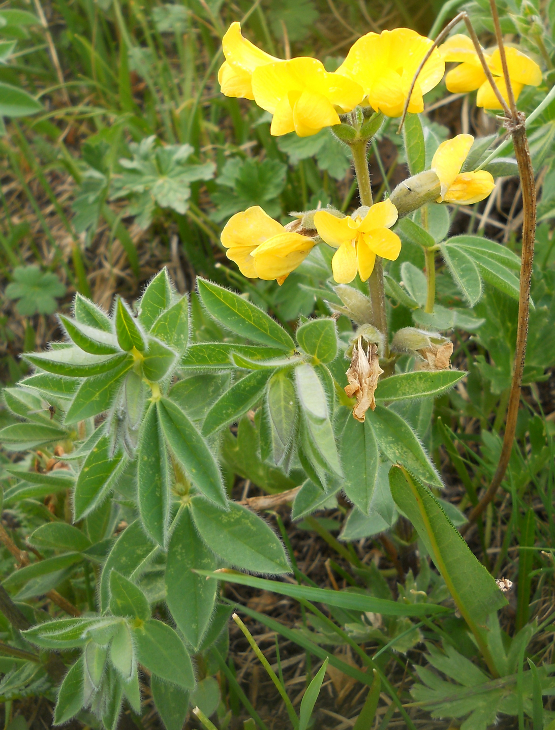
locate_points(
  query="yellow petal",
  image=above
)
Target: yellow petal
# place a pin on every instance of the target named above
(344, 263)
(470, 187)
(407, 51)
(464, 78)
(380, 215)
(235, 82)
(312, 112)
(241, 53)
(282, 122)
(272, 83)
(522, 69)
(366, 60)
(486, 97)
(449, 158)
(281, 254)
(334, 231)
(313, 77)
(387, 94)
(384, 243)
(459, 48)
(365, 259)
(249, 228)
(242, 257)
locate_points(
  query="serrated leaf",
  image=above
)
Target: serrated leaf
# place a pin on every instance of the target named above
(465, 273)
(172, 326)
(236, 401)
(126, 599)
(281, 407)
(318, 338)
(153, 485)
(360, 459)
(399, 444)
(86, 312)
(73, 362)
(415, 148)
(161, 651)
(242, 317)
(155, 300)
(190, 597)
(96, 394)
(420, 384)
(71, 694)
(127, 331)
(90, 339)
(192, 452)
(218, 355)
(96, 477)
(239, 537)
(158, 360)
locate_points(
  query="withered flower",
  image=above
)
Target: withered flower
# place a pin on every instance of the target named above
(435, 357)
(363, 377)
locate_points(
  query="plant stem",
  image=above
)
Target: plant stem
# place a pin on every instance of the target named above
(362, 172)
(431, 277)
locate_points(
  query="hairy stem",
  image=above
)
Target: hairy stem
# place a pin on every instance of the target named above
(431, 277)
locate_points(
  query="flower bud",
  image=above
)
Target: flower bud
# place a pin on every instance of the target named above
(368, 334)
(345, 132)
(305, 220)
(416, 191)
(371, 126)
(357, 306)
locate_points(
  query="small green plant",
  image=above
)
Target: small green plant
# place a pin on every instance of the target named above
(35, 291)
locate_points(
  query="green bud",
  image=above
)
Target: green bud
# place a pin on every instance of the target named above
(371, 126)
(357, 306)
(410, 339)
(416, 191)
(306, 219)
(345, 132)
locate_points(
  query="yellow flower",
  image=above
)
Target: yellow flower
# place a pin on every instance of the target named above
(469, 75)
(302, 96)
(241, 58)
(456, 187)
(261, 247)
(385, 65)
(360, 240)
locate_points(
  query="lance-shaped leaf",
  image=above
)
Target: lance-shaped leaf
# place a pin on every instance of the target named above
(242, 317)
(71, 694)
(127, 330)
(484, 247)
(122, 654)
(191, 451)
(318, 338)
(23, 436)
(219, 355)
(399, 444)
(73, 362)
(60, 536)
(360, 459)
(153, 492)
(158, 359)
(473, 589)
(96, 478)
(88, 313)
(161, 651)
(51, 384)
(172, 326)
(497, 275)
(420, 384)
(172, 703)
(234, 403)
(156, 299)
(190, 597)
(415, 147)
(95, 395)
(127, 599)
(95, 661)
(240, 537)
(90, 339)
(281, 407)
(464, 271)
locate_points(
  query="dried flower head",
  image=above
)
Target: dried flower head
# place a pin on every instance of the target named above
(363, 377)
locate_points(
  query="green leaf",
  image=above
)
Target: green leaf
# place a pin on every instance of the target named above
(196, 393)
(399, 444)
(239, 537)
(24, 436)
(86, 312)
(281, 407)
(122, 654)
(484, 247)
(158, 360)
(405, 386)
(465, 273)
(360, 460)
(190, 597)
(127, 331)
(126, 599)
(51, 384)
(35, 291)
(247, 182)
(95, 395)
(396, 292)
(172, 703)
(310, 697)
(318, 338)
(191, 451)
(239, 399)
(162, 652)
(498, 276)
(90, 339)
(218, 355)
(41, 568)
(15, 102)
(62, 633)
(411, 232)
(33, 488)
(172, 326)
(73, 362)
(206, 696)
(359, 602)
(95, 661)
(277, 362)
(60, 536)
(156, 299)
(502, 167)
(415, 148)
(130, 550)
(473, 589)
(415, 282)
(153, 485)
(71, 694)
(242, 317)
(97, 476)
(477, 152)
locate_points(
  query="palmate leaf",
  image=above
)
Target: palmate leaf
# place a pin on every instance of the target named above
(34, 290)
(244, 183)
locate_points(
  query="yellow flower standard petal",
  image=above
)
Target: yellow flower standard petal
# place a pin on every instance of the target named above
(302, 95)
(470, 187)
(385, 65)
(459, 48)
(249, 228)
(464, 78)
(522, 69)
(241, 58)
(359, 240)
(487, 98)
(277, 257)
(449, 159)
